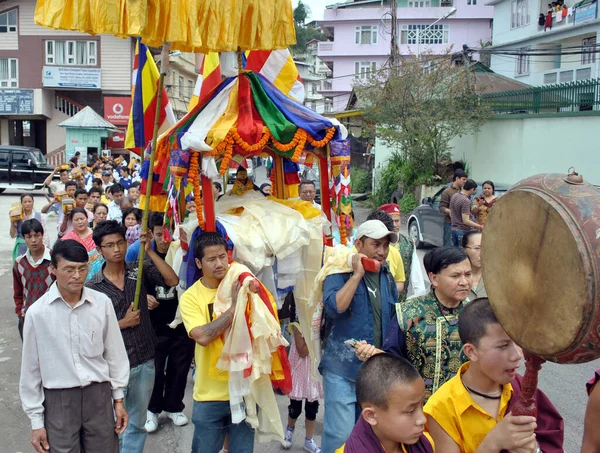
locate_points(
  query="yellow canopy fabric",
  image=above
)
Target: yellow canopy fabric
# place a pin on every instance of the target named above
(200, 26)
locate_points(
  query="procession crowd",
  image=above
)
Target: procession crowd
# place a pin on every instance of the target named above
(410, 363)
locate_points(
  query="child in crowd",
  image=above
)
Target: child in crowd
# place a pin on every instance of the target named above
(132, 220)
(304, 388)
(390, 393)
(32, 274)
(472, 411)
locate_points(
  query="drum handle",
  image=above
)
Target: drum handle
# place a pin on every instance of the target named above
(526, 402)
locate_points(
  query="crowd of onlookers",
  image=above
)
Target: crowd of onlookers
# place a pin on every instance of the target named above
(410, 363)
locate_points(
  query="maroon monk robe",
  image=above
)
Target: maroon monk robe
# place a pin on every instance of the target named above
(550, 425)
(364, 440)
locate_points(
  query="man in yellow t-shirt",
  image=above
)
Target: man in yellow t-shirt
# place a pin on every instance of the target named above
(394, 258)
(212, 414)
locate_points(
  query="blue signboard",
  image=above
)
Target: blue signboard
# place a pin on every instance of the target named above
(585, 13)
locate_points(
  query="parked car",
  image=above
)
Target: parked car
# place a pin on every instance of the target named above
(426, 223)
(249, 169)
(23, 168)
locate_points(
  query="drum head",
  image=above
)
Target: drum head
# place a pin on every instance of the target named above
(534, 273)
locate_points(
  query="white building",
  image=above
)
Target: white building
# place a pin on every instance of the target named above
(517, 26)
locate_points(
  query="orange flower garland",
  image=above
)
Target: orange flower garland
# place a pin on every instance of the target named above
(194, 178)
(321, 143)
(343, 232)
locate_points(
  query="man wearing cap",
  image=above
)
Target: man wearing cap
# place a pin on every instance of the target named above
(406, 247)
(358, 305)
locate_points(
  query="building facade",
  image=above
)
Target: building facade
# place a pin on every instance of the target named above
(47, 76)
(569, 39)
(359, 36)
(180, 81)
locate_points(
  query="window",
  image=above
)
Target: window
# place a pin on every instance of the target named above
(419, 4)
(588, 49)
(9, 73)
(471, 2)
(180, 85)
(8, 22)
(4, 157)
(313, 106)
(190, 88)
(362, 69)
(313, 88)
(80, 53)
(425, 34)
(519, 14)
(366, 34)
(522, 62)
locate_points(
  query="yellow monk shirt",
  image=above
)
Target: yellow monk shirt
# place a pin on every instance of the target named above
(196, 305)
(452, 407)
(395, 263)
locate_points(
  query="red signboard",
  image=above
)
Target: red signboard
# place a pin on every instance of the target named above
(117, 141)
(116, 110)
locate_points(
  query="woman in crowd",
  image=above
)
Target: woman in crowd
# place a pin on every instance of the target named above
(484, 202)
(132, 220)
(471, 244)
(82, 233)
(15, 227)
(100, 214)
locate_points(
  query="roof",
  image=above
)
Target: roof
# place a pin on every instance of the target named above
(488, 81)
(89, 119)
(352, 3)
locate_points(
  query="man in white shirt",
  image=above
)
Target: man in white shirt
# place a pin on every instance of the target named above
(114, 207)
(74, 367)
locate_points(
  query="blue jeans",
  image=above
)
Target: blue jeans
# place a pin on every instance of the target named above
(447, 234)
(212, 421)
(341, 411)
(137, 397)
(457, 236)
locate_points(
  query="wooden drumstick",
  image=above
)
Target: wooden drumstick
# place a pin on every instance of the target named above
(526, 402)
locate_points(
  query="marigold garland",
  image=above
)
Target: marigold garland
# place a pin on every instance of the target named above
(343, 231)
(194, 179)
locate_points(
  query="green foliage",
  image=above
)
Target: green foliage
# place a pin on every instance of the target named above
(360, 180)
(305, 35)
(408, 203)
(300, 13)
(418, 113)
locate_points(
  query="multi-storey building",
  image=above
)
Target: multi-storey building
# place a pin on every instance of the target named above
(359, 36)
(180, 81)
(564, 45)
(46, 76)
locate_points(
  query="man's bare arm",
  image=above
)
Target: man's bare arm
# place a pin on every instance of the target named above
(206, 334)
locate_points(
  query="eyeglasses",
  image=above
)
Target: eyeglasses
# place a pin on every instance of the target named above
(70, 271)
(114, 245)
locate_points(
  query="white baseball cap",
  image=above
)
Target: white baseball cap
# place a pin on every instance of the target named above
(375, 229)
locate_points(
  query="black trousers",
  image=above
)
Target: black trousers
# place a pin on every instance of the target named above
(80, 419)
(172, 360)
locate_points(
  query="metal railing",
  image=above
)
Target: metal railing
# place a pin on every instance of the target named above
(578, 96)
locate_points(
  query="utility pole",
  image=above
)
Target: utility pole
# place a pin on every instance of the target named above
(394, 52)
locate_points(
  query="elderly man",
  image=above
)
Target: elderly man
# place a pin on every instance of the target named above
(359, 306)
(74, 369)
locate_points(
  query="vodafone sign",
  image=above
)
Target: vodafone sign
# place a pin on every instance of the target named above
(116, 109)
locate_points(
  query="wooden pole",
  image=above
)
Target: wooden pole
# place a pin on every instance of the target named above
(146, 211)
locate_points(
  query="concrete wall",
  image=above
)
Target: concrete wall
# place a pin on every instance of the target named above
(508, 150)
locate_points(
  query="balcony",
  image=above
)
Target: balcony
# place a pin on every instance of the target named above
(558, 21)
(564, 75)
(325, 48)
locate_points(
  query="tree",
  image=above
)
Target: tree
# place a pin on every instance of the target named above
(418, 112)
(300, 13)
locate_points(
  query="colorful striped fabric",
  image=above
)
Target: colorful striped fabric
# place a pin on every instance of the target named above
(209, 77)
(277, 66)
(144, 100)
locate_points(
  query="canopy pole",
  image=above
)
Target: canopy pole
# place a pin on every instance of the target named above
(279, 176)
(146, 211)
(325, 194)
(209, 204)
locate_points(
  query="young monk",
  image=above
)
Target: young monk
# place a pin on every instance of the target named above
(390, 392)
(471, 413)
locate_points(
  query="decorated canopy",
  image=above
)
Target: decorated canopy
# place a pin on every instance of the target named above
(243, 116)
(189, 25)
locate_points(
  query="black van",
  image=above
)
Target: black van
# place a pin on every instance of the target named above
(22, 168)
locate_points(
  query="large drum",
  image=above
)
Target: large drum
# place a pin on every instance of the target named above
(541, 265)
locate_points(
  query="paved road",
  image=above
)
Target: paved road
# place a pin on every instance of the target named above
(564, 384)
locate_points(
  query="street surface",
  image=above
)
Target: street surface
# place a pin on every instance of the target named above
(564, 384)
